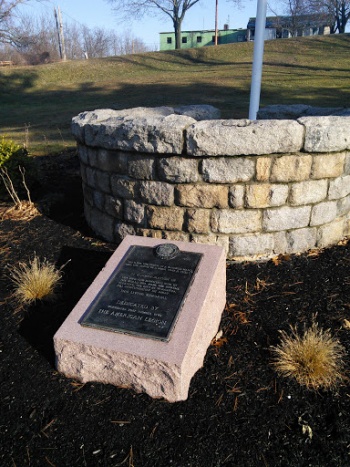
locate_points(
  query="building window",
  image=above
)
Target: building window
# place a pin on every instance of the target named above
(169, 40)
(184, 40)
(199, 39)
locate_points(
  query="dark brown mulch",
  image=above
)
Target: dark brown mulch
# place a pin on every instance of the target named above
(239, 412)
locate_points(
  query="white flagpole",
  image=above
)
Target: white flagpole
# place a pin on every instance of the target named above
(258, 56)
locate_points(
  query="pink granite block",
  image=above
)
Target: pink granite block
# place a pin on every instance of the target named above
(158, 368)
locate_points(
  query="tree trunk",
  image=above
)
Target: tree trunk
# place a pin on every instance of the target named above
(177, 29)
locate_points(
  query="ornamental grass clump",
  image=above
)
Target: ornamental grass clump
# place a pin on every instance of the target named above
(314, 359)
(34, 281)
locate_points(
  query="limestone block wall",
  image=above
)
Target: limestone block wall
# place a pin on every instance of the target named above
(257, 188)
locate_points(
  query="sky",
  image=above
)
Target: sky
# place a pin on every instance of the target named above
(98, 13)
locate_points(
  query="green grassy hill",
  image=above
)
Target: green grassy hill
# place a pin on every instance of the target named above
(37, 103)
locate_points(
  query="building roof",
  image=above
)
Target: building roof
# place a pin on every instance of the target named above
(287, 21)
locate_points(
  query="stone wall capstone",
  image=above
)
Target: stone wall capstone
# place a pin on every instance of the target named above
(257, 188)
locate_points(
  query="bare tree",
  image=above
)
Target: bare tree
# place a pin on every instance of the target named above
(174, 9)
(338, 12)
(9, 33)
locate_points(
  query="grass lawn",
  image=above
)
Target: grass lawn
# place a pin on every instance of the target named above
(37, 103)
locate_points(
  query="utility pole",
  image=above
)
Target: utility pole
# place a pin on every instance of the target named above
(59, 26)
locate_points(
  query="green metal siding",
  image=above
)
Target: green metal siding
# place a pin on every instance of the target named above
(191, 39)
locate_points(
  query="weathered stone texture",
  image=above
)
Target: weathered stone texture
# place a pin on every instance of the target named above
(134, 212)
(198, 220)
(339, 187)
(263, 168)
(265, 195)
(291, 168)
(124, 188)
(236, 196)
(228, 221)
(301, 240)
(158, 193)
(202, 196)
(121, 230)
(228, 170)
(178, 170)
(330, 234)
(237, 181)
(286, 218)
(243, 137)
(141, 167)
(323, 134)
(220, 240)
(323, 213)
(308, 192)
(165, 218)
(328, 165)
(343, 206)
(101, 223)
(114, 207)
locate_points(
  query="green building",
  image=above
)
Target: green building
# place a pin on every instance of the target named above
(190, 39)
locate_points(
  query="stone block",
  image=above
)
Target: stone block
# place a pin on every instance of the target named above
(148, 130)
(114, 207)
(228, 221)
(301, 240)
(327, 165)
(98, 200)
(339, 188)
(121, 230)
(326, 134)
(266, 195)
(102, 181)
(228, 170)
(112, 161)
(158, 193)
(134, 212)
(178, 236)
(330, 234)
(160, 369)
(343, 206)
(141, 167)
(286, 218)
(347, 164)
(308, 192)
(263, 168)
(202, 196)
(212, 239)
(323, 213)
(292, 168)
(165, 218)
(197, 220)
(83, 154)
(124, 188)
(252, 245)
(102, 224)
(178, 170)
(198, 112)
(243, 137)
(236, 196)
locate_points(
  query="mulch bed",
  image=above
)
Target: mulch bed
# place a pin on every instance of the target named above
(239, 411)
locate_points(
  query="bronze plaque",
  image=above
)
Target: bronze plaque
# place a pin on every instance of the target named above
(145, 293)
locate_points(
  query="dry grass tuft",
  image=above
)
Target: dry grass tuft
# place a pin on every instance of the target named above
(36, 280)
(314, 359)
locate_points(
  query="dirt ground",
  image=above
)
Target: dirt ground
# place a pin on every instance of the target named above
(239, 411)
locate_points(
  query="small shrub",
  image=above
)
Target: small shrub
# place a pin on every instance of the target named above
(34, 281)
(13, 158)
(314, 359)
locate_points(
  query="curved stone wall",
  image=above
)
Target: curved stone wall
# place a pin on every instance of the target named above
(258, 188)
